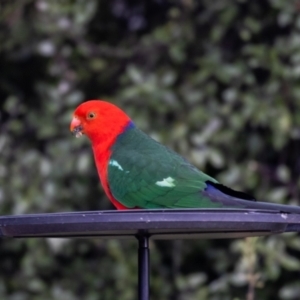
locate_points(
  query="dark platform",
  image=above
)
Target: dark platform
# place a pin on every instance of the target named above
(158, 224)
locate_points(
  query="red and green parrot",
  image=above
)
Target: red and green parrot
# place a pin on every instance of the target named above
(138, 172)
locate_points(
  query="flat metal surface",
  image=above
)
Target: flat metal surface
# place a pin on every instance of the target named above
(158, 224)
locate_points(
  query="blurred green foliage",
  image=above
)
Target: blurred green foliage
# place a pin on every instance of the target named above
(217, 81)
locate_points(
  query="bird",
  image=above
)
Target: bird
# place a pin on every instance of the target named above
(137, 172)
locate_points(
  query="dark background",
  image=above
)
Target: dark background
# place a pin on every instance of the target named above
(217, 81)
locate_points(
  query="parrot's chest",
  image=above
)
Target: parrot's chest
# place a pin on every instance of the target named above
(102, 163)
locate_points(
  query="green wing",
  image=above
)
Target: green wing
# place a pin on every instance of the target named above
(143, 173)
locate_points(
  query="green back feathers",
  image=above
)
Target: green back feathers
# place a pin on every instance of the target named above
(143, 173)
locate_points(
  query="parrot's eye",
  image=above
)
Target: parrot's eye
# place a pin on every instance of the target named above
(91, 115)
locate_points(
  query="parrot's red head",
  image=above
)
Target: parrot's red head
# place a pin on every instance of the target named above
(99, 120)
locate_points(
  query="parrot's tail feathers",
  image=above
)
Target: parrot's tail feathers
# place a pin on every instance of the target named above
(230, 192)
(227, 197)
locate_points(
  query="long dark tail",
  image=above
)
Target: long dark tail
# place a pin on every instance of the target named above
(229, 198)
(275, 207)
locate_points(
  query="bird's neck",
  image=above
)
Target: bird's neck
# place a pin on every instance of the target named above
(102, 146)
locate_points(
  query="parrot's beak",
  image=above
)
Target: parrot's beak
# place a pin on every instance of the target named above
(76, 127)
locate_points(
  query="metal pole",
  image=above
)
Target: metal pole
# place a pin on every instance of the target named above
(143, 267)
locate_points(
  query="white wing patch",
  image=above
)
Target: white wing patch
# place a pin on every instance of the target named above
(166, 182)
(114, 163)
